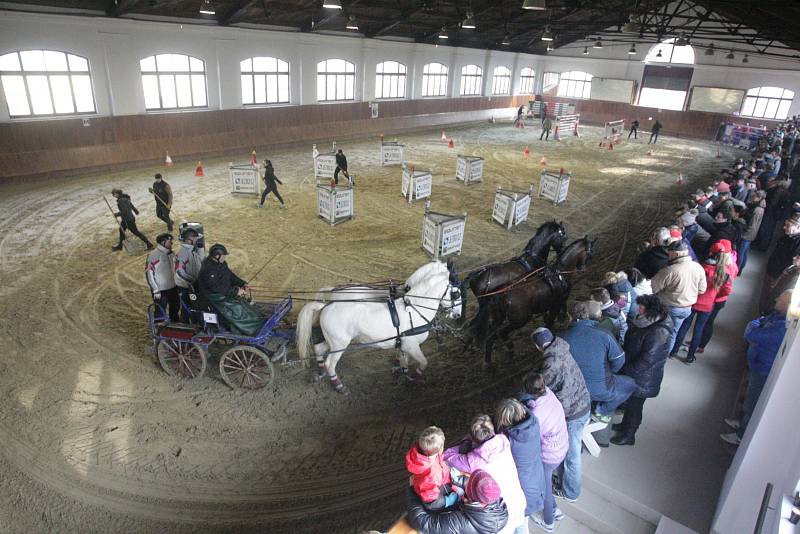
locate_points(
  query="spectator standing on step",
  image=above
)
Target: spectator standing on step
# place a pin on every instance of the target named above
(678, 285)
(271, 184)
(764, 337)
(599, 357)
(654, 131)
(162, 193)
(755, 213)
(634, 129)
(127, 212)
(646, 350)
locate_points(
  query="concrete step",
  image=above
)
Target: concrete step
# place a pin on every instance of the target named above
(596, 513)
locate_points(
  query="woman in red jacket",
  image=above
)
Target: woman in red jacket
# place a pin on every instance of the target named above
(719, 303)
(719, 283)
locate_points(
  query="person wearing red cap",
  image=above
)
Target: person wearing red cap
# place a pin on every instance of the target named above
(719, 284)
(481, 512)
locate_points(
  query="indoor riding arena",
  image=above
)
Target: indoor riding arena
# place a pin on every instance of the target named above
(466, 127)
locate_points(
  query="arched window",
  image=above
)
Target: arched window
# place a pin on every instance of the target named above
(767, 103)
(526, 80)
(173, 81)
(575, 84)
(46, 82)
(471, 78)
(390, 80)
(336, 79)
(265, 80)
(501, 81)
(667, 52)
(434, 80)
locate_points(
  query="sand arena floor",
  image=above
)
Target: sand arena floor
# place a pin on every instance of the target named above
(96, 437)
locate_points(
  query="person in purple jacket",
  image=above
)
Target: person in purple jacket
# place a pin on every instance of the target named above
(554, 440)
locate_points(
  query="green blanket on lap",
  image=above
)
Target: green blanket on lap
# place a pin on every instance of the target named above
(240, 317)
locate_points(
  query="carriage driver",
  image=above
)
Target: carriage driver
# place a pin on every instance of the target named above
(188, 262)
(159, 273)
(222, 289)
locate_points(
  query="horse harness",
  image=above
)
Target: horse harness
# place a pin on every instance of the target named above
(414, 330)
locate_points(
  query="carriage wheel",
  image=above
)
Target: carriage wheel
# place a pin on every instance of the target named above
(246, 368)
(181, 358)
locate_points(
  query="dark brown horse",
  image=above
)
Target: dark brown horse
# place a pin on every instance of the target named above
(550, 235)
(546, 294)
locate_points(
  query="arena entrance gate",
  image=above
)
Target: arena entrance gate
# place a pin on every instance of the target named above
(442, 233)
(416, 184)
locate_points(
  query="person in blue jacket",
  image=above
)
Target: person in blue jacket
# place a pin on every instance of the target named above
(764, 337)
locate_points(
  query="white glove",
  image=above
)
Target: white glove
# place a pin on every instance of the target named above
(157, 296)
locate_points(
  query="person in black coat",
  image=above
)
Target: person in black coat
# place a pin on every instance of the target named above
(654, 258)
(125, 211)
(654, 131)
(634, 130)
(646, 351)
(482, 511)
(270, 184)
(341, 166)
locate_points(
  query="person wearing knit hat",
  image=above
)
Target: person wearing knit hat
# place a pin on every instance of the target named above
(688, 218)
(482, 511)
(677, 233)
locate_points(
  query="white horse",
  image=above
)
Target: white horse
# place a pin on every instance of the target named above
(370, 323)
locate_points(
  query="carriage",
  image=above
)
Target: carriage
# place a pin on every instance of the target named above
(247, 361)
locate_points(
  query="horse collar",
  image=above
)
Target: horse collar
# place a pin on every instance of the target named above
(525, 265)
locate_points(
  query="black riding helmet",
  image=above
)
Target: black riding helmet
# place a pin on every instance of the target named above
(217, 249)
(161, 238)
(188, 232)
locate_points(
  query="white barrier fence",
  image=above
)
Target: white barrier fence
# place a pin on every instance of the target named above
(442, 234)
(416, 184)
(469, 169)
(324, 162)
(391, 153)
(562, 108)
(245, 179)
(612, 133)
(335, 204)
(554, 187)
(511, 207)
(566, 125)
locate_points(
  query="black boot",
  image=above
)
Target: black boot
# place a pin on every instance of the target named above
(626, 437)
(617, 427)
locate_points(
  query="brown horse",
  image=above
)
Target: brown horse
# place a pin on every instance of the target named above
(549, 235)
(546, 294)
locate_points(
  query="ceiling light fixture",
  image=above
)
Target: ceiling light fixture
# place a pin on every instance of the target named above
(469, 22)
(550, 47)
(598, 43)
(443, 33)
(506, 40)
(331, 4)
(632, 50)
(547, 35)
(585, 50)
(746, 59)
(207, 8)
(534, 5)
(659, 54)
(730, 55)
(351, 23)
(710, 50)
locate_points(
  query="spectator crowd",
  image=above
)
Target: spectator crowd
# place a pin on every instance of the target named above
(510, 466)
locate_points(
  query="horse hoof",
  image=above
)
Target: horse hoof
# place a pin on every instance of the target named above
(341, 389)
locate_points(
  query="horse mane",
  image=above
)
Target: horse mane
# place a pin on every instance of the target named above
(569, 250)
(538, 237)
(425, 287)
(422, 273)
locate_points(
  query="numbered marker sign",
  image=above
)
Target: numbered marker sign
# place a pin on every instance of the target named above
(335, 204)
(554, 187)
(511, 207)
(244, 179)
(416, 184)
(392, 153)
(469, 169)
(443, 234)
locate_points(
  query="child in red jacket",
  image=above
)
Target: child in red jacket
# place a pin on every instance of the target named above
(437, 484)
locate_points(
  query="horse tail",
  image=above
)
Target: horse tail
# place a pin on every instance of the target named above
(305, 321)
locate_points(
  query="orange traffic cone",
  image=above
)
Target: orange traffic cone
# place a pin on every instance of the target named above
(168, 161)
(253, 160)
(444, 137)
(543, 161)
(450, 144)
(526, 152)
(198, 171)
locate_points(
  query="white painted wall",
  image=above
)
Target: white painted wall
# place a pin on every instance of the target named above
(115, 46)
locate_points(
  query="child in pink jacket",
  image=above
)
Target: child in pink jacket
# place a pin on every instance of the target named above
(483, 449)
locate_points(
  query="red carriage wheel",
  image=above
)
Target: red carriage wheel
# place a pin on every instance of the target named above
(181, 358)
(244, 367)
